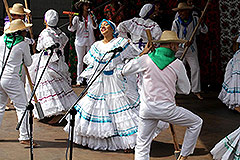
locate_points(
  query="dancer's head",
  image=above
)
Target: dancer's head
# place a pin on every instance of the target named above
(146, 11)
(51, 18)
(107, 28)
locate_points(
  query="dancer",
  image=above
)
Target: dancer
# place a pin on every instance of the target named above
(54, 91)
(136, 27)
(184, 26)
(106, 117)
(83, 24)
(229, 94)
(228, 148)
(10, 85)
(160, 71)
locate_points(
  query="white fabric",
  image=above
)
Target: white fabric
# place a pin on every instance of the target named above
(238, 40)
(84, 36)
(51, 17)
(137, 29)
(157, 92)
(11, 86)
(191, 56)
(229, 94)
(54, 92)
(80, 50)
(107, 118)
(228, 148)
(145, 9)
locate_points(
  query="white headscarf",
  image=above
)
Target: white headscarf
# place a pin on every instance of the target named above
(146, 11)
(51, 17)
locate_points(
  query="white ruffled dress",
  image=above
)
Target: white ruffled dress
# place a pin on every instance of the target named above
(54, 91)
(230, 93)
(228, 148)
(106, 117)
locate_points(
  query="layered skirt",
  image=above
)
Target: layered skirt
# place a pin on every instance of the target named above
(230, 93)
(54, 92)
(228, 148)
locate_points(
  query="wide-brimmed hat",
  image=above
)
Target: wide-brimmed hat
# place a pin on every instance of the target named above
(182, 6)
(169, 37)
(17, 25)
(19, 9)
(77, 4)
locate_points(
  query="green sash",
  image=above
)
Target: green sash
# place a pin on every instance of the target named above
(162, 57)
(9, 39)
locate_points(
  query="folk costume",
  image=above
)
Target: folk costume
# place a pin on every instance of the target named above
(54, 91)
(11, 85)
(107, 118)
(228, 148)
(84, 36)
(229, 94)
(162, 75)
(136, 27)
(184, 29)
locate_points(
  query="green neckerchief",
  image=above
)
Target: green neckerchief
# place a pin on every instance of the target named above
(9, 39)
(162, 57)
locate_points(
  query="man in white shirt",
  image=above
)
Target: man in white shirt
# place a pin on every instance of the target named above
(10, 83)
(184, 26)
(161, 76)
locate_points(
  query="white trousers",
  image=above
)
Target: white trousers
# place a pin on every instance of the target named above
(192, 60)
(81, 51)
(178, 116)
(14, 89)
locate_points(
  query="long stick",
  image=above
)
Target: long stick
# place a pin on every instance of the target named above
(195, 30)
(30, 29)
(7, 10)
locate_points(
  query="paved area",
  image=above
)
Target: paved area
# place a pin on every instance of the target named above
(218, 122)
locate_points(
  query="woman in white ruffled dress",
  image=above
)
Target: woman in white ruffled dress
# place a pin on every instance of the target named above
(230, 93)
(106, 117)
(54, 91)
(228, 148)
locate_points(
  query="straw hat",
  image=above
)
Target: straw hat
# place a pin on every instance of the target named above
(182, 6)
(17, 25)
(19, 9)
(169, 37)
(77, 4)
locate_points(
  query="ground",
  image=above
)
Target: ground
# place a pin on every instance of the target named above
(218, 122)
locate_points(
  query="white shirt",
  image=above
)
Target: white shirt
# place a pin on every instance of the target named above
(20, 54)
(158, 87)
(178, 28)
(84, 34)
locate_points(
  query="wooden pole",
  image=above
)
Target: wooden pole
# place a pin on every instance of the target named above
(7, 10)
(30, 29)
(195, 30)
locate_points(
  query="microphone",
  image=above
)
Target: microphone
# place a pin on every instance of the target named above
(54, 46)
(115, 50)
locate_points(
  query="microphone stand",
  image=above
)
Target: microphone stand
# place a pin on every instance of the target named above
(30, 107)
(73, 111)
(5, 63)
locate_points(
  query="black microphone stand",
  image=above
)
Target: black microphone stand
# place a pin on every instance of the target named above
(73, 111)
(30, 107)
(5, 63)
